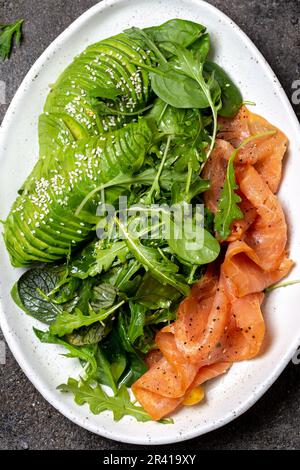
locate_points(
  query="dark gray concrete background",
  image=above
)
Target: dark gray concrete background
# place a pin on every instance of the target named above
(26, 419)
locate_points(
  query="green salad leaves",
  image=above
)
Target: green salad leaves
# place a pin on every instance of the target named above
(133, 118)
(98, 400)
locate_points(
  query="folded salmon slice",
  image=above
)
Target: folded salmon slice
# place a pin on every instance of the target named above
(267, 236)
(221, 321)
(159, 406)
(244, 274)
(266, 153)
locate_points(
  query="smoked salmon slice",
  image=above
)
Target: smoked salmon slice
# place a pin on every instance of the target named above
(214, 171)
(266, 154)
(221, 321)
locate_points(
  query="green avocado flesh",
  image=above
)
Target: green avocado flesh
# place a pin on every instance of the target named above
(42, 225)
(75, 142)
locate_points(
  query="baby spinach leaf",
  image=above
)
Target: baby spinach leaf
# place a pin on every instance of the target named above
(201, 46)
(169, 120)
(66, 322)
(99, 401)
(136, 367)
(115, 354)
(154, 295)
(31, 290)
(177, 89)
(104, 373)
(192, 244)
(189, 63)
(231, 96)
(135, 364)
(180, 32)
(146, 343)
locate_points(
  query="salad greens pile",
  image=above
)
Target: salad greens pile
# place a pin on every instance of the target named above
(133, 116)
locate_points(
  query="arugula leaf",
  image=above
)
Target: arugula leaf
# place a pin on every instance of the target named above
(281, 284)
(155, 188)
(183, 193)
(163, 315)
(97, 257)
(169, 120)
(67, 322)
(137, 321)
(228, 209)
(31, 290)
(126, 181)
(99, 401)
(124, 281)
(84, 295)
(162, 269)
(85, 353)
(7, 34)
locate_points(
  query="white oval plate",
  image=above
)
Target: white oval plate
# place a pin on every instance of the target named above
(233, 394)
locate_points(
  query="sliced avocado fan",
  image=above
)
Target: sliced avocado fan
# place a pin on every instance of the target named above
(42, 225)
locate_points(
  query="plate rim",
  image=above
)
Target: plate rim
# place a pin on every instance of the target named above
(13, 345)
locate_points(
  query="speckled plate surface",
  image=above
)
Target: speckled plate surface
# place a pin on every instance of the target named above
(234, 393)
